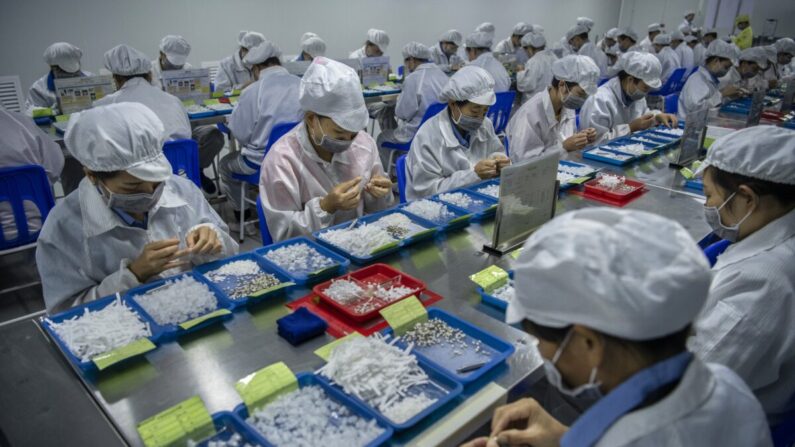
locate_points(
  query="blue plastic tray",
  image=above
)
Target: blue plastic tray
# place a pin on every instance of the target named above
(475, 187)
(430, 232)
(266, 266)
(333, 392)
(227, 424)
(695, 184)
(486, 208)
(566, 186)
(172, 331)
(442, 386)
(306, 277)
(460, 219)
(664, 136)
(611, 161)
(443, 357)
(614, 146)
(89, 366)
(493, 300)
(199, 115)
(43, 120)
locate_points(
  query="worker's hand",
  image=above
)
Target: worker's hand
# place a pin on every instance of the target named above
(525, 422)
(667, 119)
(641, 122)
(731, 91)
(477, 442)
(157, 257)
(575, 142)
(345, 196)
(486, 169)
(518, 68)
(773, 83)
(502, 161)
(591, 134)
(379, 186)
(203, 241)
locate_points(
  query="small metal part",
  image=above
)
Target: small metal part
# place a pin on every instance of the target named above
(470, 368)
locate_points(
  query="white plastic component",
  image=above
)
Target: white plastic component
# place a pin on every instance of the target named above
(610, 181)
(430, 210)
(299, 258)
(673, 132)
(460, 199)
(178, 301)
(245, 267)
(359, 241)
(634, 149)
(490, 190)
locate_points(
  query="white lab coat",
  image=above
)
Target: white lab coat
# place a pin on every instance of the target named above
(166, 106)
(358, 53)
(294, 179)
(746, 323)
(534, 131)
(669, 60)
(698, 54)
(700, 91)
(438, 162)
(272, 100)
(709, 406)
(23, 143)
(734, 78)
(487, 61)
(645, 45)
(445, 62)
(537, 74)
(84, 249)
(40, 96)
(505, 46)
(608, 113)
(687, 58)
(420, 89)
(232, 74)
(597, 55)
(157, 72)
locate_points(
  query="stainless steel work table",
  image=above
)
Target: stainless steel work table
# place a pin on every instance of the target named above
(45, 401)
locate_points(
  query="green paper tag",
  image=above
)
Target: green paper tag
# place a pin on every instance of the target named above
(385, 247)
(493, 207)
(687, 173)
(131, 349)
(263, 386)
(271, 289)
(460, 219)
(62, 118)
(708, 142)
(42, 111)
(211, 102)
(235, 93)
(578, 180)
(218, 94)
(490, 279)
(188, 420)
(188, 102)
(423, 233)
(515, 254)
(324, 352)
(191, 323)
(323, 270)
(404, 314)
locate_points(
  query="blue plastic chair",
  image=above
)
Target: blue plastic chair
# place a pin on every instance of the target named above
(507, 145)
(430, 112)
(602, 82)
(783, 434)
(263, 225)
(401, 177)
(400, 71)
(17, 185)
(500, 112)
(672, 85)
(184, 158)
(671, 104)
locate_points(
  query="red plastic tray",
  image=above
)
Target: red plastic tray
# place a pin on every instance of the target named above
(592, 188)
(373, 274)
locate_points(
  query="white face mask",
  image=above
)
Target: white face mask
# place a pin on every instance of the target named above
(468, 123)
(131, 203)
(586, 393)
(330, 144)
(729, 233)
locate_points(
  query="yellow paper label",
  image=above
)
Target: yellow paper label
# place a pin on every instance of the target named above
(188, 420)
(218, 94)
(460, 219)
(687, 173)
(404, 314)
(188, 102)
(43, 111)
(490, 279)
(271, 289)
(235, 92)
(708, 142)
(131, 349)
(323, 270)
(384, 247)
(211, 102)
(579, 180)
(262, 387)
(324, 352)
(191, 323)
(515, 254)
(62, 118)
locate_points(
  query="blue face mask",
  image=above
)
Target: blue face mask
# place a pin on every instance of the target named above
(729, 233)
(468, 123)
(330, 144)
(131, 203)
(587, 393)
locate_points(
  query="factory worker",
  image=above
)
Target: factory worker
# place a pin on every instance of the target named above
(326, 170)
(611, 310)
(669, 60)
(782, 65)
(478, 49)
(613, 67)
(689, 16)
(747, 74)
(745, 37)
(232, 72)
(701, 90)
(64, 62)
(488, 28)
(22, 142)
(272, 99)
(749, 183)
(312, 46)
(685, 53)
(445, 53)
(619, 106)
(375, 46)
(697, 48)
(627, 39)
(709, 35)
(458, 146)
(421, 87)
(130, 220)
(174, 52)
(587, 22)
(608, 40)
(512, 45)
(646, 44)
(547, 123)
(536, 74)
(577, 37)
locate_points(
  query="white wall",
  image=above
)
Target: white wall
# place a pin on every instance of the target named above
(211, 26)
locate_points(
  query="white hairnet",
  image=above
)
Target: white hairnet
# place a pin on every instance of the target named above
(126, 136)
(307, 35)
(314, 46)
(685, 29)
(643, 66)
(125, 60)
(688, 12)
(711, 31)
(535, 40)
(760, 152)
(416, 50)
(64, 55)
(576, 30)
(785, 45)
(585, 21)
(486, 27)
(479, 39)
(628, 32)
(521, 28)
(538, 28)
(330, 88)
(654, 27)
(690, 38)
(662, 39)
(772, 54)
(262, 52)
(379, 38)
(452, 36)
(757, 55)
(677, 35)
(612, 51)
(599, 268)
(722, 49)
(612, 33)
(176, 49)
(249, 39)
(580, 69)
(472, 84)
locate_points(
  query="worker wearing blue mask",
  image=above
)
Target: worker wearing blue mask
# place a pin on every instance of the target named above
(701, 90)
